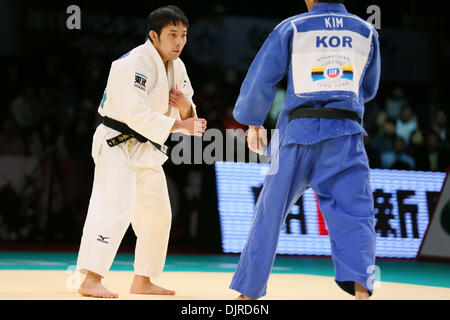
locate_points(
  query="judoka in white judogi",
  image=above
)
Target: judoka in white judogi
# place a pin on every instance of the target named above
(129, 182)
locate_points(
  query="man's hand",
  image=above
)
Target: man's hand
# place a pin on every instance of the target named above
(191, 126)
(257, 139)
(178, 100)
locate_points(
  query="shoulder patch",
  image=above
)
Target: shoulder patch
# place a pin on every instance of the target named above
(140, 81)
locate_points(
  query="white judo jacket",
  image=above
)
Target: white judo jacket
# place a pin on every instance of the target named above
(137, 93)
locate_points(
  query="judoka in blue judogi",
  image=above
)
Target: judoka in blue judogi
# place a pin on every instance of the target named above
(332, 63)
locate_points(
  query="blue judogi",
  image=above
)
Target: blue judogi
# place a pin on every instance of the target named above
(332, 60)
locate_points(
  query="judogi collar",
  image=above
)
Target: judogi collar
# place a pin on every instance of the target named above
(329, 7)
(151, 50)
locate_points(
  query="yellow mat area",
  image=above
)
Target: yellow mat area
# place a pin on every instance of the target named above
(61, 285)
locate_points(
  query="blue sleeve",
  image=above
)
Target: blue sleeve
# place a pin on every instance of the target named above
(259, 86)
(371, 79)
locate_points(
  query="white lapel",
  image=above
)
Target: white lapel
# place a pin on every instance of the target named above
(161, 69)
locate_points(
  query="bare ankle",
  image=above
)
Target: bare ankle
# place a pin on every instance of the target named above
(141, 279)
(361, 292)
(244, 297)
(92, 277)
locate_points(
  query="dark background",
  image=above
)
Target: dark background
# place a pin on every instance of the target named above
(54, 78)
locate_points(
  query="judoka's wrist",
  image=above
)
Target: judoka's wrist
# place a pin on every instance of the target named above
(190, 111)
(187, 112)
(176, 125)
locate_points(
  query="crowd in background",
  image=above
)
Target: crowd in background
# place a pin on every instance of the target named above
(49, 101)
(408, 133)
(58, 115)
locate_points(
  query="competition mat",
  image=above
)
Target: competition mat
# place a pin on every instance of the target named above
(51, 276)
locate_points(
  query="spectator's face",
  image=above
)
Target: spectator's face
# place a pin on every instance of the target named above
(210, 89)
(432, 142)
(230, 77)
(406, 114)
(417, 138)
(389, 128)
(441, 118)
(398, 93)
(171, 41)
(381, 119)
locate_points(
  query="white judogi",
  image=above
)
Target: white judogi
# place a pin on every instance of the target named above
(129, 182)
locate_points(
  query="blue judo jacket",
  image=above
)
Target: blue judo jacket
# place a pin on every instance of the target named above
(331, 59)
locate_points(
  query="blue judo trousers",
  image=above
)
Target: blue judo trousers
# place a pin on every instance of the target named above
(337, 170)
(331, 59)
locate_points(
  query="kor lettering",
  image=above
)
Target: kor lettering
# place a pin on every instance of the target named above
(333, 42)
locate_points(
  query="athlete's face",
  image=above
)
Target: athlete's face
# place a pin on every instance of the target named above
(171, 41)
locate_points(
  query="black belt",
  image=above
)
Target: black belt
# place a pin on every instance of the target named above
(127, 133)
(328, 113)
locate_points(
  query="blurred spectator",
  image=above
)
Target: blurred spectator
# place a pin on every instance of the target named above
(228, 121)
(383, 140)
(46, 141)
(12, 85)
(371, 112)
(23, 108)
(209, 104)
(230, 86)
(395, 103)
(440, 124)
(11, 141)
(70, 93)
(438, 155)
(94, 80)
(418, 150)
(432, 101)
(187, 220)
(79, 138)
(406, 124)
(374, 159)
(78, 148)
(398, 158)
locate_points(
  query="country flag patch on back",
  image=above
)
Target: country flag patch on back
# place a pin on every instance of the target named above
(347, 72)
(140, 81)
(317, 73)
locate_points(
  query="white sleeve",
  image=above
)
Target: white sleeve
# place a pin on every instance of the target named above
(129, 88)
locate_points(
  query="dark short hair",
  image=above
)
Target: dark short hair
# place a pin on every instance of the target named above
(163, 16)
(332, 1)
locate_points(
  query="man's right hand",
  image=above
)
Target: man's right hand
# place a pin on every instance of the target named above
(191, 126)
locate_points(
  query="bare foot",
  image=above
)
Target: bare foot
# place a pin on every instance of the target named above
(92, 287)
(242, 297)
(360, 292)
(143, 285)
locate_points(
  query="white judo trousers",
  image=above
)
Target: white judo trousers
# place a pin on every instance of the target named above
(122, 194)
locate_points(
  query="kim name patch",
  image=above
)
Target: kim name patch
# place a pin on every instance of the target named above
(140, 81)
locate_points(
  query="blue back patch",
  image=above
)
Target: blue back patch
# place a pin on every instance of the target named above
(332, 22)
